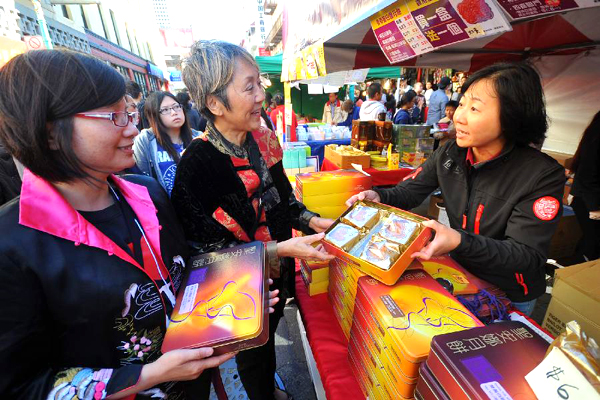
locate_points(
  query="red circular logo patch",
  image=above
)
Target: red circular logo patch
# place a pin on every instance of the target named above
(546, 208)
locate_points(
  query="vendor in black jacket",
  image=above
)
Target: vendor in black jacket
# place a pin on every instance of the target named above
(502, 195)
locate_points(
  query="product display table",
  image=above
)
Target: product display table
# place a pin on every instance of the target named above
(328, 344)
(380, 178)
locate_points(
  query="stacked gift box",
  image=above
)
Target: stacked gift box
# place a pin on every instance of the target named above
(343, 281)
(413, 142)
(482, 363)
(326, 192)
(315, 275)
(392, 331)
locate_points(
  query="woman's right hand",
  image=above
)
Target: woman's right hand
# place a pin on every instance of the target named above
(370, 195)
(182, 365)
(301, 247)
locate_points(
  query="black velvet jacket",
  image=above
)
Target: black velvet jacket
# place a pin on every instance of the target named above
(207, 180)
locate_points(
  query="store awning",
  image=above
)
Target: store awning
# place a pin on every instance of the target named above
(155, 71)
(270, 65)
(568, 33)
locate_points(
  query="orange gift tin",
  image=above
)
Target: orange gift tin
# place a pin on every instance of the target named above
(388, 245)
(451, 275)
(330, 182)
(223, 302)
(410, 313)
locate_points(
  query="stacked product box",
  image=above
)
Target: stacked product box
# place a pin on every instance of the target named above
(326, 192)
(483, 363)
(343, 281)
(393, 327)
(315, 275)
(413, 142)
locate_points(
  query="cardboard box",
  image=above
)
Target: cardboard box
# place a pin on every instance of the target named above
(328, 182)
(344, 161)
(564, 242)
(575, 296)
(410, 131)
(564, 159)
(391, 275)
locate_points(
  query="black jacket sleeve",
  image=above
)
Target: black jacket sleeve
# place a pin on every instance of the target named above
(524, 248)
(26, 367)
(415, 188)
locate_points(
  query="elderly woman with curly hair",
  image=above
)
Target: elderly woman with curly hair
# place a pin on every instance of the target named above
(231, 188)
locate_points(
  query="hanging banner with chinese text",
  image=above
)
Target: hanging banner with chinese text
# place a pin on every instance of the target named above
(310, 23)
(413, 27)
(519, 9)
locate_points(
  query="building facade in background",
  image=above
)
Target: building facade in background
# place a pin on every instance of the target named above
(106, 29)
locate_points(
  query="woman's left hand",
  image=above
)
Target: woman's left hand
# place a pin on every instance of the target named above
(319, 224)
(273, 299)
(446, 239)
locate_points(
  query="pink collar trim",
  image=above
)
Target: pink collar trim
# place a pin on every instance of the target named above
(44, 209)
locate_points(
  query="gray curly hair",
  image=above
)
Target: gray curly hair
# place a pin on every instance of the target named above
(209, 70)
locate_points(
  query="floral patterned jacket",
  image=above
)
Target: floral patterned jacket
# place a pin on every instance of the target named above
(78, 315)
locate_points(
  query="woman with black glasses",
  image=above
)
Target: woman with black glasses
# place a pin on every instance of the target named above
(89, 262)
(158, 149)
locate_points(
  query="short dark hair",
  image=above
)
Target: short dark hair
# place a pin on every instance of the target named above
(407, 98)
(184, 99)
(523, 118)
(452, 103)
(152, 112)
(591, 134)
(374, 88)
(278, 99)
(133, 89)
(47, 88)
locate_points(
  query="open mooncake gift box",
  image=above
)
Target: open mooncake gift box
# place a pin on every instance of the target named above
(377, 239)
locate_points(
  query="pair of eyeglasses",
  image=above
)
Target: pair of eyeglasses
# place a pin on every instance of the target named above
(120, 118)
(167, 110)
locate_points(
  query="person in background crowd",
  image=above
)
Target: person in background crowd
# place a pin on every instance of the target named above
(158, 149)
(407, 102)
(358, 98)
(502, 196)
(370, 109)
(332, 111)
(402, 88)
(130, 104)
(456, 95)
(586, 189)
(420, 104)
(437, 102)
(268, 103)
(231, 187)
(448, 122)
(428, 91)
(87, 279)
(195, 121)
(352, 111)
(390, 106)
(135, 91)
(280, 111)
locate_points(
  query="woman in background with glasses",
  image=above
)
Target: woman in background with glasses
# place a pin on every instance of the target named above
(89, 262)
(158, 149)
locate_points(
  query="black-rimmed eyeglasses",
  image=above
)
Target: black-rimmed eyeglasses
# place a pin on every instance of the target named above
(120, 119)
